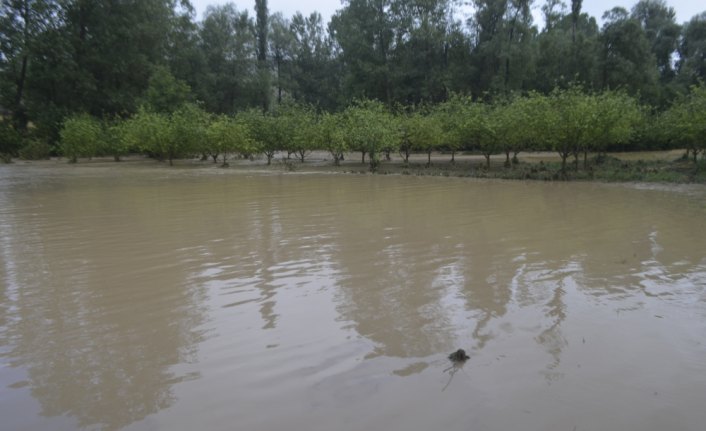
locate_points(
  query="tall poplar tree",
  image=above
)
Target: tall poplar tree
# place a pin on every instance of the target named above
(262, 26)
(22, 23)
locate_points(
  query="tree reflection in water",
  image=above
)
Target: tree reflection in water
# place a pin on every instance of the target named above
(98, 342)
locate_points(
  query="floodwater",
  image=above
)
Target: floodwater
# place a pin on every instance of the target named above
(149, 298)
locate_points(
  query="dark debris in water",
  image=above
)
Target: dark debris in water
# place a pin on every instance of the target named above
(459, 356)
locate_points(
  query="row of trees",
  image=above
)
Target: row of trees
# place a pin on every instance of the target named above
(570, 121)
(61, 57)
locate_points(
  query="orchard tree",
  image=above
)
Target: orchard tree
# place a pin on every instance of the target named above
(264, 131)
(305, 132)
(81, 136)
(426, 133)
(481, 129)
(520, 126)
(149, 132)
(452, 115)
(226, 136)
(114, 143)
(615, 119)
(331, 136)
(370, 130)
(685, 121)
(567, 122)
(404, 123)
(188, 126)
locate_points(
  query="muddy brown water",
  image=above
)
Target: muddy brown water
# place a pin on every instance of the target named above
(148, 298)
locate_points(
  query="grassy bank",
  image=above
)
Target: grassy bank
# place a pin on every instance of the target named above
(661, 167)
(653, 167)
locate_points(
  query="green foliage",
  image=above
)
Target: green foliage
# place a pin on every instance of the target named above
(227, 135)
(370, 129)
(149, 132)
(165, 93)
(331, 136)
(228, 43)
(166, 137)
(315, 77)
(114, 143)
(626, 60)
(480, 129)
(567, 121)
(426, 133)
(81, 136)
(305, 133)
(23, 25)
(404, 135)
(188, 126)
(692, 62)
(258, 126)
(107, 58)
(35, 149)
(452, 115)
(262, 30)
(662, 31)
(503, 54)
(684, 124)
(10, 141)
(615, 121)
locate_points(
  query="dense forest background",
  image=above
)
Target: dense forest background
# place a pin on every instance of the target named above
(109, 58)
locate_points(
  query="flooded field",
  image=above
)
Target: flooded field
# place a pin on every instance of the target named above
(148, 298)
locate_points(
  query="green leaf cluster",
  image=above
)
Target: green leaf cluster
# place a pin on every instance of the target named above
(81, 136)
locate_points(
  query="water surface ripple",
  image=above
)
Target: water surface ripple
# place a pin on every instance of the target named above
(159, 299)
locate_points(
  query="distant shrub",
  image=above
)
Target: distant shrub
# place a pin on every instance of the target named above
(10, 141)
(35, 150)
(81, 136)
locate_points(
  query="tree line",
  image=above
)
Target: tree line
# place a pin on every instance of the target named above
(571, 122)
(120, 61)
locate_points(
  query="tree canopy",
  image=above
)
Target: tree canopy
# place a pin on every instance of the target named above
(107, 59)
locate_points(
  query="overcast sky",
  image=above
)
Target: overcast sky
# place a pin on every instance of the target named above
(685, 8)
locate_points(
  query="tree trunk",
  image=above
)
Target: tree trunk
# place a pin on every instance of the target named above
(278, 61)
(405, 155)
(373, 162)
(20, 117)
(428, 158)
(564, 156)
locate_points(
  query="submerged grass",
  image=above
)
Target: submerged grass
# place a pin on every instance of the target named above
(603, 169)
(652, 167)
